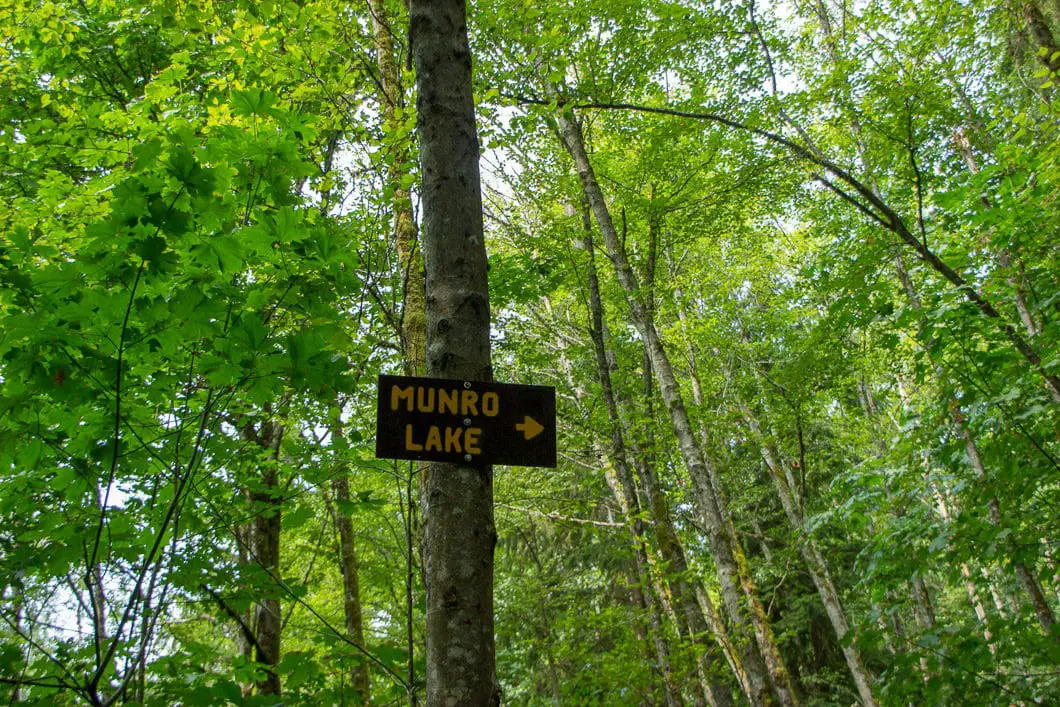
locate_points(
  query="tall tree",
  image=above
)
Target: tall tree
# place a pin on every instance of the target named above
(741, 597)
(459, 533)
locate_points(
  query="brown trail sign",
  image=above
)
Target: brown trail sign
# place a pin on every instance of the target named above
(465, 422)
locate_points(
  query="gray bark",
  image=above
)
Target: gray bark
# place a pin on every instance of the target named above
(815, 563)
(1003, 256)
(714, 690)
(697, 398)
(738, 589)
(459, 534)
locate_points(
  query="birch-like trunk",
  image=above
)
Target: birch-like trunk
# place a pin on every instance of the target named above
(714, 690)
(697, 397)
(643, 587)
(816, 565)
(738, 588)
(615, 465)
(1013, 275)
(459, 534)
(969, 583)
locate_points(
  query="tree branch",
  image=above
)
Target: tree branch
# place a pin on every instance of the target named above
(884, 214)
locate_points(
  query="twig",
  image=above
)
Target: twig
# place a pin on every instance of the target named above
(559, 516)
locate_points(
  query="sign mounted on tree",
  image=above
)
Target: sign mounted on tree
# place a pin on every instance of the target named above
(466, 422)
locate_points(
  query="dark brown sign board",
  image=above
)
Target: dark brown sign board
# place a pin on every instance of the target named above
(465, 422)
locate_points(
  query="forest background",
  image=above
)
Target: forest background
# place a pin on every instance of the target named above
(792, 269)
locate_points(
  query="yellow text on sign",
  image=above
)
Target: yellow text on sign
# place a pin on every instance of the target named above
(460, 440)
(417, 398)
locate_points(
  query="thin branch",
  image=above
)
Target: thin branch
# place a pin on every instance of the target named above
(559, 516)
(248, 634)
(849, 199)
(911, 149)
(178, 498)
(72, 685)
(18, 682)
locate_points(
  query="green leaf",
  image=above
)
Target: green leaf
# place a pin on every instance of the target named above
(299, 516)
(253, 101)
(146, 154)
(228, 253)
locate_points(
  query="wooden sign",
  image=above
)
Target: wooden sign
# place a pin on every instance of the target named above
(465, 422)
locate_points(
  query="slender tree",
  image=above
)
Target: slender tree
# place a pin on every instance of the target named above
(459, 534)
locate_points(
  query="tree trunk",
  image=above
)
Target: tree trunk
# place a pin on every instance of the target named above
(267, 504)
(815, 562)
(413, 324)
(713, 689)
(1003, 256)
(459, 533)
(697, 398)
(351, 585)
(969, 583)
(1043, 37)
(738, 589)
(620, 482)
(626, 502)
(245, 646)
(1030, 583)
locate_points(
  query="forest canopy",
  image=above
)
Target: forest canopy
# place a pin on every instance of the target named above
(793, 269)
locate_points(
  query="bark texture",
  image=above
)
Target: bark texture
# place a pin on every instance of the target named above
(459, 534)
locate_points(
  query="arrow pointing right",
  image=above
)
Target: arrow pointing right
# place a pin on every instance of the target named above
(530, 427)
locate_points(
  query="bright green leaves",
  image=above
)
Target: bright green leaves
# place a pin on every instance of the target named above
(152, 215)
(221, 254)
(183, 166)
(254, 102)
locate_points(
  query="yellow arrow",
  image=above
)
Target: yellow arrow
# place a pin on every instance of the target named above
(530, 427)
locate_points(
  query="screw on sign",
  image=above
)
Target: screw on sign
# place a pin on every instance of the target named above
(436, 419)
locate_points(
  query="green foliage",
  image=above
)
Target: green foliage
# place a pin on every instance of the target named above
(195, 250)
